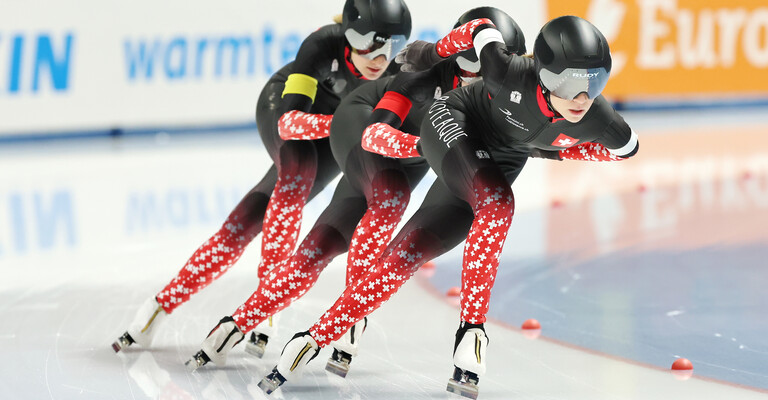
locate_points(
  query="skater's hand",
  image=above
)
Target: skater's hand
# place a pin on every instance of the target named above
(418, 56)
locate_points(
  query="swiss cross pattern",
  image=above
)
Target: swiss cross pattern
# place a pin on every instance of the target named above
(589, 152)
(379, 283)
(385, 210)
(282, 221)
(459, 39)
(208, 262)
(298, 125)
(287, 281)
(493, 208)
(385, 140)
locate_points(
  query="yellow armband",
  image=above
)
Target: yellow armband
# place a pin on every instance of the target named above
(301, 84)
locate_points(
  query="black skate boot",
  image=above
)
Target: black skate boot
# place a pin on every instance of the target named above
(468, 359)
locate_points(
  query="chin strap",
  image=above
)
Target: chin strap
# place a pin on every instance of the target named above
(298, 125)
(383, 139)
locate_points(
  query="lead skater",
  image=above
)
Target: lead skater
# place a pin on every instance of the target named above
(477, 140)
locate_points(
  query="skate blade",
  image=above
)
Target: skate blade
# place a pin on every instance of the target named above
(339, 368)
(462, 389)
(121, 342)
(195, 362)
(255, 350)
(269, 385)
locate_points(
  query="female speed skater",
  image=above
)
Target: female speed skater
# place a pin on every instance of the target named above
(302, 96)
(477, 140)
(370, 199)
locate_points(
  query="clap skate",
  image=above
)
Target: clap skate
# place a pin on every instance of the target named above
(468, 359)
(297, 353)
(257, 342)
(143, 327)
(345, 348)
(217, 345)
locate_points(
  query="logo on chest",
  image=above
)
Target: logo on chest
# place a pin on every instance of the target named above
(509, 119)
(564, 140)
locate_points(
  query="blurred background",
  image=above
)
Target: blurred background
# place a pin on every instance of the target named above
(127, 135)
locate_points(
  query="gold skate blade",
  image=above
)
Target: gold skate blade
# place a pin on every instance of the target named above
(469, 390)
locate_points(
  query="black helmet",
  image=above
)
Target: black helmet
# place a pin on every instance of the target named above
(510, 32)
(376, 27)
(572, 57)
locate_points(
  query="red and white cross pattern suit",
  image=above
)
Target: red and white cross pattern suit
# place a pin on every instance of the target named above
(283, 217)
(291, 278)
(306, 110)
(493, 207)
(217, 254)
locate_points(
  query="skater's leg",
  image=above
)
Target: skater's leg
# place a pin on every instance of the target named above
(217, 254)
(296, 168)
(329, 237)
(290, 279)
(440, 224)
(388, 196)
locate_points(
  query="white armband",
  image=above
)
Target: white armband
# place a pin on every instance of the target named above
(627, 148)
(487, 35)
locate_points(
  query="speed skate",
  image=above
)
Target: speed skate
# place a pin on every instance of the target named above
(468, 359)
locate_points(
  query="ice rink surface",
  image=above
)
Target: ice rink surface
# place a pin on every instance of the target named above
(627, 266)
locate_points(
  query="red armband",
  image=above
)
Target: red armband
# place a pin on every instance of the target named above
(589, 152)
(298, 125)
(396, 103)
(460, 39)
(383, 139)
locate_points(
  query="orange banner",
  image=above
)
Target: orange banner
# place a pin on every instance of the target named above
(680, 48)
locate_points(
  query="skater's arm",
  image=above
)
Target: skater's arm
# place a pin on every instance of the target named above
(383, 135)
(296, 122)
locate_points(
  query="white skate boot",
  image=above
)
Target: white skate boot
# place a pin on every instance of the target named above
(297, 353)
(468, 360)
(217, 345)
(257, 342)
(345, 348)
(143, 327)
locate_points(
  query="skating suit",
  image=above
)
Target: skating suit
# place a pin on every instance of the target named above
(477, 140)
(312, 85)
(372, 195)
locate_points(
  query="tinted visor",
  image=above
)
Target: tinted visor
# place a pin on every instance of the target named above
(373, 44)
(467, 64)
(574, 81)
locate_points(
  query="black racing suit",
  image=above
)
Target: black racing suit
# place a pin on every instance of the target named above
(325, 56)
(477, 140)
(371, 196)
